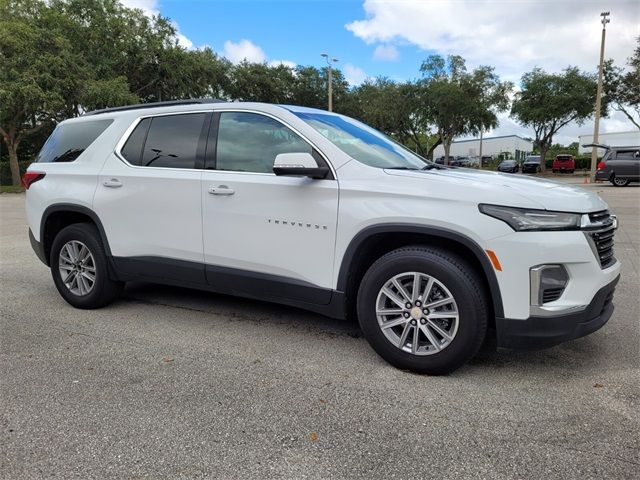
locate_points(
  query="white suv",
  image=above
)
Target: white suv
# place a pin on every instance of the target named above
(316, 210)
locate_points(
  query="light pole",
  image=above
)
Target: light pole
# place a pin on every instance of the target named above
(329, 77)
(596, 125)
(480, 162)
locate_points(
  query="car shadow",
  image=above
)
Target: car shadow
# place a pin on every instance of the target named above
(581, 353)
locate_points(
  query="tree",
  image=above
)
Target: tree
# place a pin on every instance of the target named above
(391, 108)
(457, 102)
(622, 89)
(40, 74)
(60, 58)
(550, 101)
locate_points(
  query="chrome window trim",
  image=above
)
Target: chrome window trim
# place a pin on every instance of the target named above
(127, 133)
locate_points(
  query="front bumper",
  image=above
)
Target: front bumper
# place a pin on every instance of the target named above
(541, 332)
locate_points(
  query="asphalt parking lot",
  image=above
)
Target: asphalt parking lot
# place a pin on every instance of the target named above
(172, 383)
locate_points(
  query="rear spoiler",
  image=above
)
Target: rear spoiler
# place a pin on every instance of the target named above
(598, 145)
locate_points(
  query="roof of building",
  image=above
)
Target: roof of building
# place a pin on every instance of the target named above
(492, 138)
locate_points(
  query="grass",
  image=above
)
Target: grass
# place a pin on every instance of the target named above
(11, 189)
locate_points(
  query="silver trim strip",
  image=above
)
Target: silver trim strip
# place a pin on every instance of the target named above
(135, 123)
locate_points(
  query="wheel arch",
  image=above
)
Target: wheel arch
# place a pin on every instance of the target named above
(374, 241)
(60, 215)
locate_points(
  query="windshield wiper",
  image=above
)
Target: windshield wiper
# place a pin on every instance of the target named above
(431, 166)
(402, 168)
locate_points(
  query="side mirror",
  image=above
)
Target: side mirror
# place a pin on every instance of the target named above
(298, 165)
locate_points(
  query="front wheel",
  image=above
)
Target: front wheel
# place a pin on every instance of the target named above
(620, 182)
(423, 309)
(79, 267)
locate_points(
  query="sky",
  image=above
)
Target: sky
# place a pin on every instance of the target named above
(372, 38)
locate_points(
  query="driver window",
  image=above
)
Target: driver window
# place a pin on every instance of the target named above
(250, 142)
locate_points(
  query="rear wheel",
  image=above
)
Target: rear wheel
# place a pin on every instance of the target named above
(79, 267)
(423, 310)
(620, 182)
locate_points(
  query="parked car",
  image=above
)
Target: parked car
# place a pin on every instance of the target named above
(563, 163)
(531, 164)
(620, 166)
(509, 166)
(486, 160)
(314, 209)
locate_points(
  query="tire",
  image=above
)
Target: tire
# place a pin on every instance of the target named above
(571, 171)
(76, 240)
(395, 344)
(554, 171)
(620, 182)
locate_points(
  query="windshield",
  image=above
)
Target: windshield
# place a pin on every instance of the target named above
(532, 160)
(363, 143)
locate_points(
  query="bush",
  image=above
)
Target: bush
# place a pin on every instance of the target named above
(5, 171)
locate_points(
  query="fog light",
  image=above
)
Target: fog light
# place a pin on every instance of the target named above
(547, 283)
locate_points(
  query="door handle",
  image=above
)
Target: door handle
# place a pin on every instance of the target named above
(221, 190)
(113, 183)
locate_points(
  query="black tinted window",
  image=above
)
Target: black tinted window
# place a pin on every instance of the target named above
(627, 154)
(69, 140)
(249, 142)
(172, 141)
(132, 150)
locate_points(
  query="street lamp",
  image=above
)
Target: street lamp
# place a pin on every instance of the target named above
(596, 125)
(330, 61)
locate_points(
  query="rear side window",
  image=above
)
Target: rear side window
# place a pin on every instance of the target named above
(69, 140)
(132, 150)
(627, 154)
(169, 141)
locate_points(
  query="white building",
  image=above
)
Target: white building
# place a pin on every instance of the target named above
(517, 146)
(613, 139)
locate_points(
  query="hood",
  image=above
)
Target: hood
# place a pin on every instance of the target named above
(546, 194)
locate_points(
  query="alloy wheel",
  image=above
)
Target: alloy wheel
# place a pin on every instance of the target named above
(77, 267)
(417, 313)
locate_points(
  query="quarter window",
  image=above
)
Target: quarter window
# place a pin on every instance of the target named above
(249, 142)
(69, 140)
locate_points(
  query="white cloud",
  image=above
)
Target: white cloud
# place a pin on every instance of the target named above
(354, 75)
(286, 63)
(386, 52)
(149, 7)
(183, 41)
(512, 36)
(243, 50)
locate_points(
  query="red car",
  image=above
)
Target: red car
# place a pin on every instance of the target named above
(563, 163)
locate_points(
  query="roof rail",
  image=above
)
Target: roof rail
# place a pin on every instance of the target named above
(191, 101)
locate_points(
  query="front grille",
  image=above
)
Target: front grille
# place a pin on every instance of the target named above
(551, 294)
(601, 235)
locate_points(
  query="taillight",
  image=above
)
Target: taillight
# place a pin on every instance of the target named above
(31, 177)
(601, 165)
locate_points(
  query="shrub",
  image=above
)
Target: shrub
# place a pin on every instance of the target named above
(5, 171)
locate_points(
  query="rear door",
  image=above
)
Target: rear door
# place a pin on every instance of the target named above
(148, 198)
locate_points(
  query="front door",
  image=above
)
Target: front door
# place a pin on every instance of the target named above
(265, 235)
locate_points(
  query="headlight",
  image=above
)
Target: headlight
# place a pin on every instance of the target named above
(527, 220)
